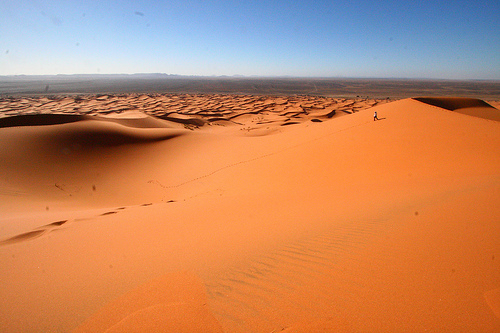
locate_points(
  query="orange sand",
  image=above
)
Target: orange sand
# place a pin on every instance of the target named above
(190, 213)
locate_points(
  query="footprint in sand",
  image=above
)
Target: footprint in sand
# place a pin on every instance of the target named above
(40, 231)
(108, 213)
(57, 224)
(33, 234)
(23, 237)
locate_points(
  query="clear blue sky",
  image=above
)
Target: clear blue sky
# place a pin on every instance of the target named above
(360, 38)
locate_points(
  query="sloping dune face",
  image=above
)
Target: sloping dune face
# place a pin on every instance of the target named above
(471, 106)
(39, 120)
(344, 225)
(257, 113)
(50, 161)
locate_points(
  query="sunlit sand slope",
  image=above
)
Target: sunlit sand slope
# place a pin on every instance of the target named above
(348, 224)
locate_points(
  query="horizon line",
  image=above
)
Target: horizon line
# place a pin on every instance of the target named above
(239, 76)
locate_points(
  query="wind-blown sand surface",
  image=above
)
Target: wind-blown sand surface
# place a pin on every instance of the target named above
(200, 213)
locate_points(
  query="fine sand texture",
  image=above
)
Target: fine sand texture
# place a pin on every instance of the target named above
(241, 213)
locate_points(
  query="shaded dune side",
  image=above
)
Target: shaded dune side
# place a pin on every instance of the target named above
(90, 159)
(453, 103)
(138, 120)
(91, 131)
(183, 119)
(40, 120)
(470, 106)
(107, 134)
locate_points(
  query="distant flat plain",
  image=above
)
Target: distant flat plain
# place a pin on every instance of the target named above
(27, 85)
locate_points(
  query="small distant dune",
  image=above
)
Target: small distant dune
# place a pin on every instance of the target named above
(470, 106)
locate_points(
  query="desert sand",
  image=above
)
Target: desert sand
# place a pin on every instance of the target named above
(240, 213)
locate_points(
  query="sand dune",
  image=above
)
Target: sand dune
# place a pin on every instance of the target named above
(195, 110)
(206, 213)
(470, 106)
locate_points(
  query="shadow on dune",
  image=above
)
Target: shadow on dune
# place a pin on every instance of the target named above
(142, 121)
(453, 103)
(469, 106)
(108, 136)
(186, 120)
(40, 120)
(84, 131)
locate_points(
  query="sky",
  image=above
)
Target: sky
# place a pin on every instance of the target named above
(301, 38)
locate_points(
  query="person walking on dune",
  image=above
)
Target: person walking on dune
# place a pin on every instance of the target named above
(375, 116)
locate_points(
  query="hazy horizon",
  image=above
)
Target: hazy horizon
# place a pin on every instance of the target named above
(455, 40)
(236, 76)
